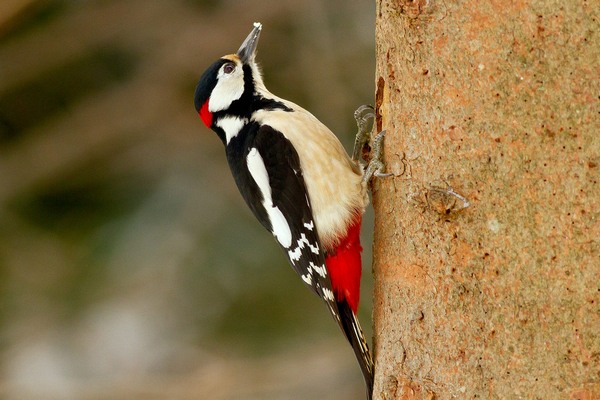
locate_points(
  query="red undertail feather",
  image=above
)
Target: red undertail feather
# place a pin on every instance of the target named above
(344, 266)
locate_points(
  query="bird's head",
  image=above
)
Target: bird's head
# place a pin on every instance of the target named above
(228, 84)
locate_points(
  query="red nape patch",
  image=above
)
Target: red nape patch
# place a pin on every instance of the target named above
(206, 115)
(344, 266)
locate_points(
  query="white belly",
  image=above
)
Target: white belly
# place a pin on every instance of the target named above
(332, 180)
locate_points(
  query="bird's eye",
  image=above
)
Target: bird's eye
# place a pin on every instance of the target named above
(229, 68)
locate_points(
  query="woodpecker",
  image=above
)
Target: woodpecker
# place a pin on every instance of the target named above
(297, 179)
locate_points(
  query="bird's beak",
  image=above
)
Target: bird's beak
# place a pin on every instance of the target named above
(247, 50)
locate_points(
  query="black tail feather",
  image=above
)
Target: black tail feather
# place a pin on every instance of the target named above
(355, 336)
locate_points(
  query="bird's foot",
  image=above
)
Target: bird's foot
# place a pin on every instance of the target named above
(376, 167)
(364, 116)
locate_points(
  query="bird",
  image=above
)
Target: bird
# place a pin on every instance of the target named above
(297, 179)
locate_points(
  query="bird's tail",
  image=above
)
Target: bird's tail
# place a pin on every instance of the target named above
(355, 336)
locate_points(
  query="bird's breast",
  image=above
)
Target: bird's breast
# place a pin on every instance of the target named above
(332, 180)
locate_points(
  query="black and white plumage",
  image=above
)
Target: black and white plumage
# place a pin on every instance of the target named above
(297, 179)
(267, 172)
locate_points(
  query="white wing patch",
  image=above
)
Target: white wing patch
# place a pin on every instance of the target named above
(329, 296)
(232, 126)
(302, 242)
(335, 188)
(307, 278)
(281, 229)
(296, 253)
(319, 270)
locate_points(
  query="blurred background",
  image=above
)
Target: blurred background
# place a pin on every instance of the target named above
(129, 266)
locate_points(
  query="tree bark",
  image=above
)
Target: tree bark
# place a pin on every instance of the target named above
(487, 237)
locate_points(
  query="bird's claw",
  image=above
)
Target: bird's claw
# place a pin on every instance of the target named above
(364, 116)
(376, 167)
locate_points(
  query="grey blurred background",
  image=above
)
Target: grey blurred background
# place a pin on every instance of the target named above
(129, 266)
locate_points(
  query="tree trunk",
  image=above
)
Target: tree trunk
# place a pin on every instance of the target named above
(487, 239)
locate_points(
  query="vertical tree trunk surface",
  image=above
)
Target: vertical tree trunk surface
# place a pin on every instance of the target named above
(487, 242)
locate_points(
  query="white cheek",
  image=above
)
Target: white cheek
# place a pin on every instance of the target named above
(229, 88)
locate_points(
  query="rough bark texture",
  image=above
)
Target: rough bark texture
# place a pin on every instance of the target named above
(496, 102)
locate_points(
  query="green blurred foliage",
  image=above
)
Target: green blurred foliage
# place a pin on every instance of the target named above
(126, 252)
